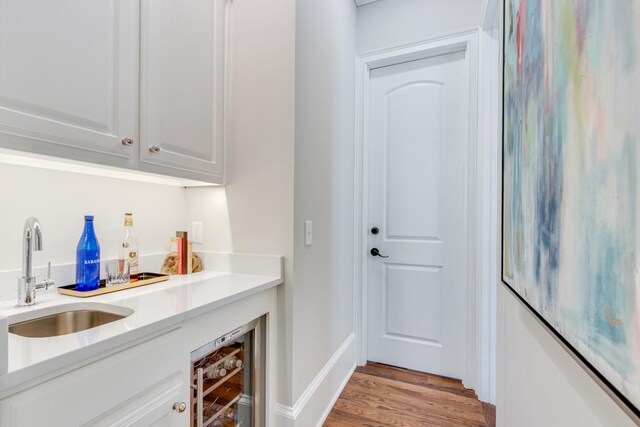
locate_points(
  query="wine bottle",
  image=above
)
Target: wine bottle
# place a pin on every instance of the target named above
(88, 258)
(232, 363)
(211, 409)
(129, 249)
(217, 372)
(224, 394)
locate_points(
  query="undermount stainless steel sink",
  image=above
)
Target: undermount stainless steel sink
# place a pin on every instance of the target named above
(66, 322)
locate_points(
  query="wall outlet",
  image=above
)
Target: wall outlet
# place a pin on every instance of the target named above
(308, 233)
(196, 232)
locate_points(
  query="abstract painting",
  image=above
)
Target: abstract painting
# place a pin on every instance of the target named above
(571, 193)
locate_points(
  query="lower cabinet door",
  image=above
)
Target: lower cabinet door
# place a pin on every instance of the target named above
(135, 387)
(162, 406)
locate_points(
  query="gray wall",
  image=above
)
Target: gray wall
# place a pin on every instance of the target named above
(388, 23)
(324, 157)
(539, 383)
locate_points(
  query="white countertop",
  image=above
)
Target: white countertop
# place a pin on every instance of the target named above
(156, 307)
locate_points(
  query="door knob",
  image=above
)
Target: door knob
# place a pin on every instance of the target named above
(154, 149)
(127, 142)
(376, 252)
(179, 407)
(375, 230)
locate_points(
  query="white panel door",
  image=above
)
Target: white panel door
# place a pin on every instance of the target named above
(69, 78)
(417, 297)
(183, 87)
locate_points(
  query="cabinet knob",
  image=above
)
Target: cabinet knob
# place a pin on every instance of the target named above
(154, 149)
(127, 141)
(179, 407)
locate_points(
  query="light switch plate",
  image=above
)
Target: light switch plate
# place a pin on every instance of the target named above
(196, 232)
(308, 233)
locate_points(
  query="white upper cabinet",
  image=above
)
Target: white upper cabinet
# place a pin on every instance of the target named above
(183, 87)
(138, 84)
(69, 78)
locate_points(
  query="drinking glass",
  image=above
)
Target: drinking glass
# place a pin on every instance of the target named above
(117, 272)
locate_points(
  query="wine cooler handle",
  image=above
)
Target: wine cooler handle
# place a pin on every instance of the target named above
(200, 399)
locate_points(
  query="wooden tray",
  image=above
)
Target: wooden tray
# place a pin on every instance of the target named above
(143, 280)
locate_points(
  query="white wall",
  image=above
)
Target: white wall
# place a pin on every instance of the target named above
(61, 199)
(209, 206)
(386, 23)
(260, 132)
(254, 213)
(323, 310)
(539, 384)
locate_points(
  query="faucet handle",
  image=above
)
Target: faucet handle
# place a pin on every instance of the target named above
(48, 282)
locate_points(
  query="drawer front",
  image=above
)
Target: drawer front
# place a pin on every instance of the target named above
(149, 373)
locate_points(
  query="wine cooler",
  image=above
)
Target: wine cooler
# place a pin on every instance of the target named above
(228, 379)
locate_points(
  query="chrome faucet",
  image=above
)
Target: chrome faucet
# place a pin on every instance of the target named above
(27, 285)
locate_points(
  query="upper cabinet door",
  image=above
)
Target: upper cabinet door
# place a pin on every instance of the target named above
(183, 87)
(69, 78)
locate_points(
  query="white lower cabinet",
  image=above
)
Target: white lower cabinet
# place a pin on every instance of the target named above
(138, 386)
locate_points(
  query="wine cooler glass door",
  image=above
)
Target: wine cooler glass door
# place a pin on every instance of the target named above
(228, 380)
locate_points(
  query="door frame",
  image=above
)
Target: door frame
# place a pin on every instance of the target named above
(478, 312)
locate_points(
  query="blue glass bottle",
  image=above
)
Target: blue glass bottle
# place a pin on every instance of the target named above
(88, 258)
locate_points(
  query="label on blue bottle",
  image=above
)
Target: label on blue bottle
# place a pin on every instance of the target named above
(88, 271)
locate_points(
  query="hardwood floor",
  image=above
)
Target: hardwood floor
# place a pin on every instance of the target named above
(380, 395)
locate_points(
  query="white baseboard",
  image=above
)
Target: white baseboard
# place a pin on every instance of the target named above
(335, 397)
(315, 403)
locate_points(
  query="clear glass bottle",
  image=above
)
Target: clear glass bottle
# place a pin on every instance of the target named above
(129, 247)
(88, 258)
